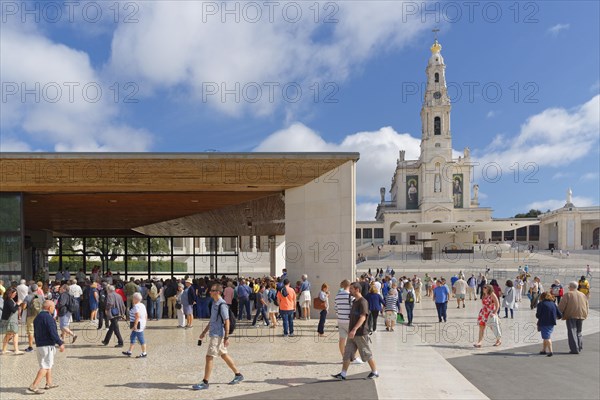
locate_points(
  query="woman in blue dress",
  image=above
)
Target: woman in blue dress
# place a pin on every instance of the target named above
(93, 301)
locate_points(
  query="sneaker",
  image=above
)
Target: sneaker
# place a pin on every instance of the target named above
(237, 379)
(291, 335)
(119, 345)
(126, 353)
(200, 386)
(29, 349)
(372, 375)
(339, 377)
(358, 360)
(143, 355)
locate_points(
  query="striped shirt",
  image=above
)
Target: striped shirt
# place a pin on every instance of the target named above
(343, 305)
(391, 303)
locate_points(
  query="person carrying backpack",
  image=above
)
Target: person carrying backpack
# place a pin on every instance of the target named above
(66, 307)
(218, 329)
(33, 303)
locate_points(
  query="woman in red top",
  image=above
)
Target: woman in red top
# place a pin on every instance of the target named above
(488, 315)
(497, 289)
(121, 292)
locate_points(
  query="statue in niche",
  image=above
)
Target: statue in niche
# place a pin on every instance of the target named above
(437, 183)
(476, 194)
(569, 196)
(402, 155)
(382, 193)
(467, 152)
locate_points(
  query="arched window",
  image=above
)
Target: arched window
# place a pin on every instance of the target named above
(437, 77)
(437, 126)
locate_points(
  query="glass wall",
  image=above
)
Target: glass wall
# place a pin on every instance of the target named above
(147, 256)
(11, 237)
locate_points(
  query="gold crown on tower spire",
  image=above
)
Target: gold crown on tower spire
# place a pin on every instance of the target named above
(436, 47)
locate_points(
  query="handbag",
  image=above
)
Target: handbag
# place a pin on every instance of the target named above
(114, 312)
(318, 304)
(178, 306)
(400, 318)
(494, 324)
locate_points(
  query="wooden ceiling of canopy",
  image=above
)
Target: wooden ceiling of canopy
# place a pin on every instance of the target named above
(113, 193)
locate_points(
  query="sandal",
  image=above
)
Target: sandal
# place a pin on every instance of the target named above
(34, 391)
(48, 387)
(477, 346)
(497, 344)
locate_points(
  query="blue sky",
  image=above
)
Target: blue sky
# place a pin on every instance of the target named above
(162, 66)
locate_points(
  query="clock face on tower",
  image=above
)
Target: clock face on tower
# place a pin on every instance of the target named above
(437, 95)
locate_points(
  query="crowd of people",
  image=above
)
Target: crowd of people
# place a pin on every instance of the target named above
(272, 300)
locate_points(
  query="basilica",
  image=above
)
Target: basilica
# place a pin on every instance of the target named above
(433, 203)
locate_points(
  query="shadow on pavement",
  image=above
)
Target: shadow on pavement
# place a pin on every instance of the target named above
(563, 376)
(289, 363)
(152, 385)
(355, 386)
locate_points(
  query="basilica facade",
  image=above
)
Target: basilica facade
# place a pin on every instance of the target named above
(433, 202)
(435, 188)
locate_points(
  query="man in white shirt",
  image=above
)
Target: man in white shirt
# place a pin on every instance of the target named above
(460, 290)
(22, 290)
(76, 292)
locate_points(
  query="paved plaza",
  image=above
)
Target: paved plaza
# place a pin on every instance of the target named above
(429, 360)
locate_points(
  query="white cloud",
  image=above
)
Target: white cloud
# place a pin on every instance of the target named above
(590, 176)
(556, 29)
(555, 137)
(59, 113)
(492, 114)
(378, 152)
(561, 175)
(544, 205)
(173, 49)
(366, 211)
(10, 144)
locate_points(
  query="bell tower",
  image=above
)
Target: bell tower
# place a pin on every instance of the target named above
(436, 140)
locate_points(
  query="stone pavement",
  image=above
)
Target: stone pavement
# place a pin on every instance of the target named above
(414, 363)
(427, 361)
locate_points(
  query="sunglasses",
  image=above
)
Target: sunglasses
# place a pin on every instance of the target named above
(214, 290)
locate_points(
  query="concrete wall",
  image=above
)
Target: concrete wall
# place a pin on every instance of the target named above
(320, 227)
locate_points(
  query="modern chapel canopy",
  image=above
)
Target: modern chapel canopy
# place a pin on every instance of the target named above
(120, 193)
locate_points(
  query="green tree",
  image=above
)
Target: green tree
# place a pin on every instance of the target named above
(109, 249)
(530, 214)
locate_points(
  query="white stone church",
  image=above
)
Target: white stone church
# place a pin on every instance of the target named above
(433, 204)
